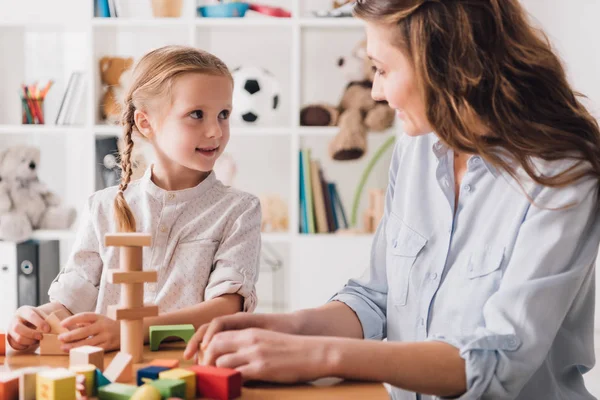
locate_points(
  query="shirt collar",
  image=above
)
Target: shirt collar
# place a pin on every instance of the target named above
(176, 195)
(440, 150)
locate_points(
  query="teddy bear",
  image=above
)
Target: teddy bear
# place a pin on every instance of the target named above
(26, 203)
(357, 113)
(115, 76)
(274, 212)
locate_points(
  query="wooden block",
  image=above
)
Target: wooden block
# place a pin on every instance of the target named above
(132, 339)
(165, 363)
(2, 344)
(100, 379)
(116, 391)
(146, 392)
(134, 313)
(150, 373)
(120, 369)
(217, 383)
(89, 373)
(50, 345)
(128, 239)
(56, 384)
(160, 332)
(85, 355)
(118, 276)
(28, 381)
(189, 377)
(170, 387)
(54, 323)
(9, 385)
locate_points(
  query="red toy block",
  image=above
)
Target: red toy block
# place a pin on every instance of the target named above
(2, 344)
(217, 383)
(9, 385)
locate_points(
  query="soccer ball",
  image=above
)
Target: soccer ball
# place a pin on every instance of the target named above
(255, 96)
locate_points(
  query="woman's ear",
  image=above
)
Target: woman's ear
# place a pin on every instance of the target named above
(142, 124)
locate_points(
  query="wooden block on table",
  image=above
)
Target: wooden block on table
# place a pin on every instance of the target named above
(189, 377)
(146, 392)
(149, 374)
(118, 314)
(217, 383)
(170, 387)
(28, 382)
(170, 364)
(116, 391)
(56, 384)
(120, 369)
(2, 344)
(55, 327)
(9, 385)
(128, 239)
(100, 380)
(85, 355)
(158, 333)
(89, 373)
(50, 345)
(116, 276)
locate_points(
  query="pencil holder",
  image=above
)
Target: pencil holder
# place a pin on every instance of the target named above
(32, 110)
(167, 8)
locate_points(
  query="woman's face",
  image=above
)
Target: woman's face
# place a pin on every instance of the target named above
(395, 80)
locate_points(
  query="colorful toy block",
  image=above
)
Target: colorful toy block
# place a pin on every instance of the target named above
(56, 384)
(2, 344)
(189, 377)
(170, 364)
(146, 392)
(89, 372)
(158, 333)
(85, 355)
(50, 345)
(170, 387)
(116, 391)
(100, 379)
(9, 385)
(54, 321)
(217, 383)
(27, 382)
(149, 374)
(120, 369)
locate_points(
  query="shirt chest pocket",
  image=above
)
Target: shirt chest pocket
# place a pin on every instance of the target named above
(485, 261)
(404, 247)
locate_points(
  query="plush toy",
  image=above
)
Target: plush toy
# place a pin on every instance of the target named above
(274, 213)
(115, 76)
(32, 204)
(356, 114)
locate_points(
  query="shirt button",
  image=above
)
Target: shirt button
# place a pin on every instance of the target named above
(171, 196)
(421, 321)
(433, 276)
(468, 188)
(163, 228)
(395, 243)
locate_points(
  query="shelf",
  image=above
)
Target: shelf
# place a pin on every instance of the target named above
(39, 129)
(200, 22)
(53, 235)
(276, 237)
(319, 130)
(331, 22)
(133, 22)
(108, 130)
(243, 22)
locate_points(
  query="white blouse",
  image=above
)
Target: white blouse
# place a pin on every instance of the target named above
(205, 243)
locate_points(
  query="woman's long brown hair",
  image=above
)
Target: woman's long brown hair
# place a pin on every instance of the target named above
(482, 60)
(152, 80)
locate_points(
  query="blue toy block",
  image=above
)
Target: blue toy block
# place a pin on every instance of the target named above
(149, 373)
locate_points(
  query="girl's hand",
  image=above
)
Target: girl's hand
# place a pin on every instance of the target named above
(274, 322)
(26, 327)
(90, 329)
(272, 356)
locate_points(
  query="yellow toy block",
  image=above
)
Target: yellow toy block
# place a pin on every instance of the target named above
(56, 384)
(89, 372)
(189, 377)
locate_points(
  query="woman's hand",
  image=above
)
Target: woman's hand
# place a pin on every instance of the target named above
(26, 328)
(272, 356)
(284, 323)
(90, 329)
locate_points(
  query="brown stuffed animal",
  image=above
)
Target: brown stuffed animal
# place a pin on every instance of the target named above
(357, 114)
(115, 75)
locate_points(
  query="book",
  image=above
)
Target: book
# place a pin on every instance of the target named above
(330, 190)
(68, 100)
(327, 200)
(102, 9)
(310, 216)
(303, 215)
(319, 198)
(339, 205)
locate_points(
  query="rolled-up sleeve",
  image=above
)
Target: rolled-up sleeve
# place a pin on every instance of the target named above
(367, 295)
(76, 286)
(551, 265)
(237, 258)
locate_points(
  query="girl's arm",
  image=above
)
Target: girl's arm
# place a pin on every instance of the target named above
(198, 314)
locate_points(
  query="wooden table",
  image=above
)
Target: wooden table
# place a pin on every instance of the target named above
(322, 389)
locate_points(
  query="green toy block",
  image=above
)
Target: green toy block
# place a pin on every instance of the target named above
(158, 333)
(116, 391)
(170, 387)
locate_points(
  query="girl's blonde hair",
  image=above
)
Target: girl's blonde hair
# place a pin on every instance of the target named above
(153, 76)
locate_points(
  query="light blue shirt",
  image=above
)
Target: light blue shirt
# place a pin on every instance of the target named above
(508, 283)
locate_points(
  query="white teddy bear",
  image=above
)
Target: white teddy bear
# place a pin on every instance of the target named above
(26, 203)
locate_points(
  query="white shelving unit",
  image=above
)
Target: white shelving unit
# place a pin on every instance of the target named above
(301, 52)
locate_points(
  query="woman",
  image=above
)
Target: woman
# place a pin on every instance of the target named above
(482, 268)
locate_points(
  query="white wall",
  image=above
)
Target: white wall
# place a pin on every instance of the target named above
(573, 29)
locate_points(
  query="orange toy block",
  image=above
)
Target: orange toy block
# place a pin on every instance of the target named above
(120, 369)
(50, 345)
(85, 355)
(164, 363)
(9, 385)
(2, 344)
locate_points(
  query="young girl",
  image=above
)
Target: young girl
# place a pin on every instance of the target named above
(205, 236)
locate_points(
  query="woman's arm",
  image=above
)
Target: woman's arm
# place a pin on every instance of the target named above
(198, 314)
(332, 319)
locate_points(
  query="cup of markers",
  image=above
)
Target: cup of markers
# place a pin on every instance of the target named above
(32, 102)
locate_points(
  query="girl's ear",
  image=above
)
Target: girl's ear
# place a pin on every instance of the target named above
(142, 124)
